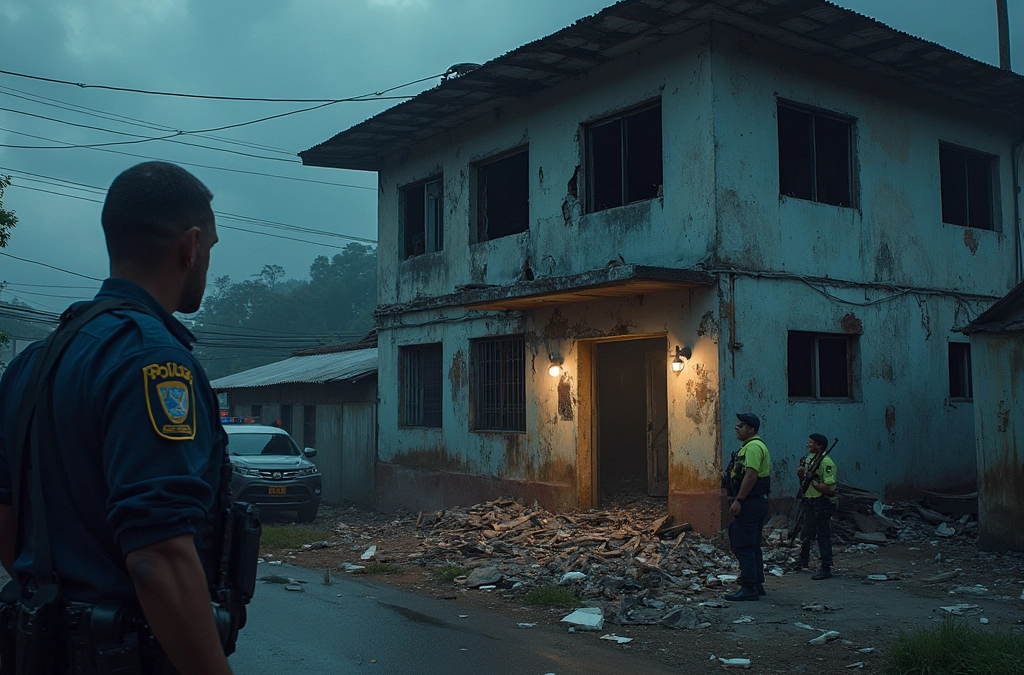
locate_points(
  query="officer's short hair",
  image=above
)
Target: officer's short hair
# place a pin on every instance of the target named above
(148, 207)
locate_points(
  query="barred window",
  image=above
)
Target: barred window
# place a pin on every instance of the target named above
(420, 387)
(500, 370)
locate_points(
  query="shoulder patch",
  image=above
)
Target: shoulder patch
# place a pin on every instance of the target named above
(170, 400)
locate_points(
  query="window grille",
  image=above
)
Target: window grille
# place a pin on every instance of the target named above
(500, 368)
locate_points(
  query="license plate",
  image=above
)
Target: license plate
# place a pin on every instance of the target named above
(277, 490)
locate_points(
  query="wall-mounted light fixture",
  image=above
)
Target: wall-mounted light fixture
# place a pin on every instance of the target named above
(555, 369)
(681, 353)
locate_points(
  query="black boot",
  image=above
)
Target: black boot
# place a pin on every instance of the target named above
(760, 589)
(745, 593)
(824, 573)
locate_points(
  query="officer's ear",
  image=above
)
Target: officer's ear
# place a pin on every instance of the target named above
(188, 247)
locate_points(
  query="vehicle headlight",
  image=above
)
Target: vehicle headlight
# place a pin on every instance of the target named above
(308, 471)
(245, 471)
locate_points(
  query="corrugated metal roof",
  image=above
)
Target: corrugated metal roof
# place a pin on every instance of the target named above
(316, 369)
(815, 27)
(1005, 315)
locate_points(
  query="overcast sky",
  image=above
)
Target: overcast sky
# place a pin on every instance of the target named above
(303, 49)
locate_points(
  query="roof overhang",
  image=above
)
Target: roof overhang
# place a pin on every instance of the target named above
(814, 27)
(616, 281)
(1006, 315)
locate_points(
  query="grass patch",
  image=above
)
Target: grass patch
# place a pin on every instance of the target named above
(448, 573)
(953, 648)
(277, 536)
(551, 596)
(380, 568)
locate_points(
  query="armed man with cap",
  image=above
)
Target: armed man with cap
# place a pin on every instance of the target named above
(821, 505)
(749, 483)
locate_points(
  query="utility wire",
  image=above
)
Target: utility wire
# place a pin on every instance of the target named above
(201, 166)
(215, 97)
(52, 267)
(226, 216)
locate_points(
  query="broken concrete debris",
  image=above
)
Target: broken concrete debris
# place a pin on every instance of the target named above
(586, 618)
(824, 638)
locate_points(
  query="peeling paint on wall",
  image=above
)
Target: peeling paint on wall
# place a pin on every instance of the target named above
(890, 417)
(708, 326)
(558, 327)
(851, 325)
(885, 263)
(701, 397)
(565, 399)
(435, 457)
(456, 373)
(970, 241)
(1003, 416)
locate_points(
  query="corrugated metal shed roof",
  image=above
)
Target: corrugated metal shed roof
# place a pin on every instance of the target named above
(1005, 316)
(814, 27)
(316, 369)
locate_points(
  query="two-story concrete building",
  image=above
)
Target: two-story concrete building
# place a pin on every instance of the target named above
(597, 248)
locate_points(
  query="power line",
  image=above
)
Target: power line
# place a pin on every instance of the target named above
(220, 98)
(52, 267)
(201, 166)
(226, 216)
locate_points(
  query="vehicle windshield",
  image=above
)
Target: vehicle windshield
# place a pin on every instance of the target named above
(262, 444)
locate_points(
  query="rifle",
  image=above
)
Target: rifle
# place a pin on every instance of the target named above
(801, 509)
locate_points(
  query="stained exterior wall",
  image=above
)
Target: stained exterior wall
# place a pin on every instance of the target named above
(720, 211)
(998, 363)
(900, 419)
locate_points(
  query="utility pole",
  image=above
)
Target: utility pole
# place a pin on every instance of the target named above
(1004, 34)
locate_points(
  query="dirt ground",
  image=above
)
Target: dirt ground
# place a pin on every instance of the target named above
(876, 593)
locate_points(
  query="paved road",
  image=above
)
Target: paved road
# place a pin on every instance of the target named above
(354, 627)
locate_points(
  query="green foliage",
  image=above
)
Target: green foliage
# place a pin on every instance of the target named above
(954, 649)
(7, 218)
(272, 314)
(278, 537)
(380, 568)
(448, 573)
(551, 596)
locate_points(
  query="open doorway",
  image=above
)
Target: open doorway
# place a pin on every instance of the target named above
(632, 419)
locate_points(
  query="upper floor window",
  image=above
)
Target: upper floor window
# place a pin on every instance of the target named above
(960, 385)
(966, 185)
(819, 365)
(499, 366)
(503, 196)
(624, 158)
(815, 156)
(422, 217)
(420, 385)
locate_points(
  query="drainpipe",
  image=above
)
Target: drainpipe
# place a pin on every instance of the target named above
(1004, 34)
(1015, 151)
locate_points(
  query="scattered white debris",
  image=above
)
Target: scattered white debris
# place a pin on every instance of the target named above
(572, 576)
(983, 620)
(295, 588)
(878, 577)
(259, 560)
(1022, 595)
(369, 553)
(463, 616)
(523, 624)
(349, 567)
(615, 638)
(486, 587)
(977, 590)
(944, 530)
(274, 562)
(962, 609)
(804, 625)
(880, 508)
(727, 577)
(586, 618)
(868, 650)
(744, 619)
(827, 636)
(735, 663)
(859, 664)
(776, 571)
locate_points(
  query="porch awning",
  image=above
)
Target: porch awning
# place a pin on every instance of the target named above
(610, 282)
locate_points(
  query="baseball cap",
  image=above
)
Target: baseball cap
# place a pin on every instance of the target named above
(749, 418)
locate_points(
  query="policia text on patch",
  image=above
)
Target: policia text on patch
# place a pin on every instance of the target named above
(42, 633)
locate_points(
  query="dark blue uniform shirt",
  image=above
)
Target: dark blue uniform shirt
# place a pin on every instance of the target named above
(139, 433)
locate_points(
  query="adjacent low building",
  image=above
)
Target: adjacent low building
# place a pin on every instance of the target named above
(326, 398)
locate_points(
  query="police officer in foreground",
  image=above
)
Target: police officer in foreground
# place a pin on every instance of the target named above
(822, 503)
(750, 483)
(131, 500)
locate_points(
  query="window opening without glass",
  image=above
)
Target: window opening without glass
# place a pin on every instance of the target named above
(420, 400)
(960, 384)
(966, 185)
(815, 156)
(625, 158)
(819, 365)
(500, 370)
(422, 218)
(503, 196)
